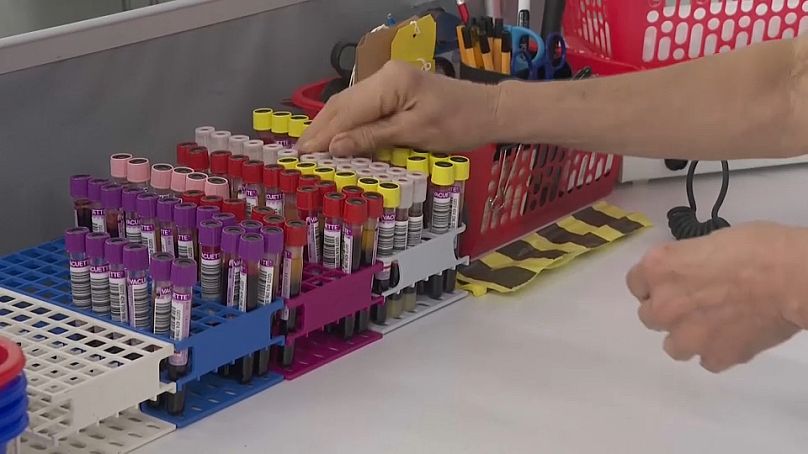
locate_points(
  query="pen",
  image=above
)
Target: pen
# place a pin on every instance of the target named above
(553, 15)
(497, 47)
(475, 39)
(485, 51)
(488, 29)
(468, 51)
(463, 10)
(505, 66)
(523, 18)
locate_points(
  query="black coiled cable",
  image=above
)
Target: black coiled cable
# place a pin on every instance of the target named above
(683, 221)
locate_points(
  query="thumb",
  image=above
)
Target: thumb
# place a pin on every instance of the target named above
(368, 138)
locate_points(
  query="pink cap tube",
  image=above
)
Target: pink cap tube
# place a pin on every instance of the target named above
(138, 170)
(195, 181)
(117, 164)
(161, 176)
(178, 177)
(217, 186)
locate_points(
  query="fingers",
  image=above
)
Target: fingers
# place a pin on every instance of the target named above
(687, 338)
(637, 283)
(372, 136)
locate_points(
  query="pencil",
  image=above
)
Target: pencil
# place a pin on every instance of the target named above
(485, 50)
(505, 67)
(461, 45)
(496, 48)
(475, 37)
(468, 50)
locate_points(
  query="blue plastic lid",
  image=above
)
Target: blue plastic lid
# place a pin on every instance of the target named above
(13, 431)
(12, 413)
(13, 390)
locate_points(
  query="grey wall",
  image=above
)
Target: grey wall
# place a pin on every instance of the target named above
(68, 117)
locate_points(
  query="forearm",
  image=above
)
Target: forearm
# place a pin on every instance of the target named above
(744, 104)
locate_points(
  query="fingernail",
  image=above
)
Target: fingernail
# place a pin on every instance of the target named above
(342, 145)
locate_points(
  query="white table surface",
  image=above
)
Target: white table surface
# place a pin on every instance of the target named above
(562, 367)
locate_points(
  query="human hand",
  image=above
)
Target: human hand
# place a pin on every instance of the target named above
(725, 297)
(402, 106)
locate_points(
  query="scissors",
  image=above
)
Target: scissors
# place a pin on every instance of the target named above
(551, 53)
(343, 80)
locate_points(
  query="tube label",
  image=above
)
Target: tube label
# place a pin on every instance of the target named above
(387, 233)
(148, 237)
(400, 235)
(266, 281)
(180, 325)
(242, 292)
(454, 222)
(210, 274)
(347, 249)
(133, 231)
(441, 211)
(332, 242)
(138, 302)
(99, 221)
(162, 310)
(118, 296)
(185, 245)
(80, 283)
(99, 288)
(275, 202)
(233, 284)
(251, 196)
(313, 239)
(167, 240)
(414, 230)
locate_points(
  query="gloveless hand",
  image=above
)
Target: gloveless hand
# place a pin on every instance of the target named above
(402, 106)
(728, 296)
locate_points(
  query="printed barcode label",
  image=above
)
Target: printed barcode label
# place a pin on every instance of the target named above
(275, 201)
(400, 238)
(441, 211)
(286, 281)
(180, 325)
(118, 296)
(99, 288)
(240, 191)
(99, 221)
(80, 283)
(148, 238)
(233, 285)
(133, 231)
(347, 249)
(454, 222)
(384, 274)
(251, 196)
(139, 315)
(167, 240)
(242, 293)
(162, 310)
(266, 280)
(185, 246)
(387, 233)
(332, 239)
(121, 231)
(415, 228)
(211, 274)
(285, 143)
(313, 238)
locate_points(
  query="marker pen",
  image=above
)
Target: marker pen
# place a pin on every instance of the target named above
(275, 220)
(192, 196)
(231, 265)
(352, 192)
(160, 269)
(227, 219)
(262, 124)
(160, 180)
(383, 155)
(360, 163)
(280, 128)
(183, 278)
(99, 221)
(254, 149)
(343, 179)
(379, 167)
(178, 177)
(202, 136)
(288, 163)
(111, 202)
(269, 282)
(218, 163)
(325, 173)
(82, 211)
(270, 153)
(399, 157)
(308, 208)
(75, 245)
(273, 197)
(238, 207)
(251, 226)
(259, 213)
(138, 171)
(199, 159)
(117, 167)
(210, 259)
(185, 219)
(149, 225)
(419, 190)
(168, 230)
(295, 236)
(252, 172)
(403, 214)
(131, 216)
(136, 262)
(217, 187)
(296, 128)
(113, 252)
(204, 213)
(251, 251)
(288, 181)
(234, 174)
(332, 231)
(183, 149)
(219, 140)
(235, 144)
(211, 201)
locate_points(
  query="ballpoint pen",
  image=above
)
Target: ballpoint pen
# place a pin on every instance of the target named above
(463, 10)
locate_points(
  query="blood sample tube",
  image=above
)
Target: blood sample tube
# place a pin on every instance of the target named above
(308, 208)
(403, 214)
(82, 211)
(99, 221)
(443, 180)
(306, 168)
(332, 233)
(217, 187)
(343, 179)
(251, 251)
(399, 157)
(254, 149)
(288, 181)
(227, 219)
(252, 172)
(368, 184)
(418, 164)
(295, 237)
(211, 201)
(310, 157)
(341, 160)
(288, 163)
(419, 153)
(437, 157)
(231, 265)
(391, 194)
(205, 212)
(326, 186)
(113, 252)
(416, 227)
(396, 172)
(193, 196)
(185, 219)
(269, 153)
(383, 155)
(296, 128)
(262, 124)
(289, 153)
(112, 202)
(259, 213)
(202, 136)
(345, 168)
(160, 269)
(352, 192)
(365, 173)
(234, 174)
(326, 162)
(183, 278)
(138, 172)
(273, 197)
(308, 180)
(280, 128)
(379, 167)
(375, 203)
(321, 155)
(160, 181)
(130, 213)
(251, 226)
(236, 144)
(462, 169)
(196, 182)
(355, 217)
(178, 177)
(269, 282)
(219, 140)
(76, 247)
(183, 149)
(210, 259)
(149, 225)
(199, 159)
(218, 163)
(168, 230)
(236, 206)
(325, 173)
(136, 262)
(117, 167)
(275, 220)
(360, 163)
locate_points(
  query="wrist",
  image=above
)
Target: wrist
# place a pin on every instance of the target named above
(794, 301)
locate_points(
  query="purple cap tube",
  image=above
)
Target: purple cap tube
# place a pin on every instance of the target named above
(113, 250)
(78, 186)
(251, 247)
(75, 239)
(183, 272)
(230, 237)
(94, 188)
(165, 208)
(210, 233)
(227, 219)
(147, 205)
(160, 266)
(111, 196)
(129, 199)
(185, 215)
(135, 257)
(251, 226)
(203, 213)
(273, 239)
(95, 244)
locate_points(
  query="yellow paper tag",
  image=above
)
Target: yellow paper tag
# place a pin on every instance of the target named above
(415, 43)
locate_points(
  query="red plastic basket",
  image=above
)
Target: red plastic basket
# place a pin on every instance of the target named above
(653, 33)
